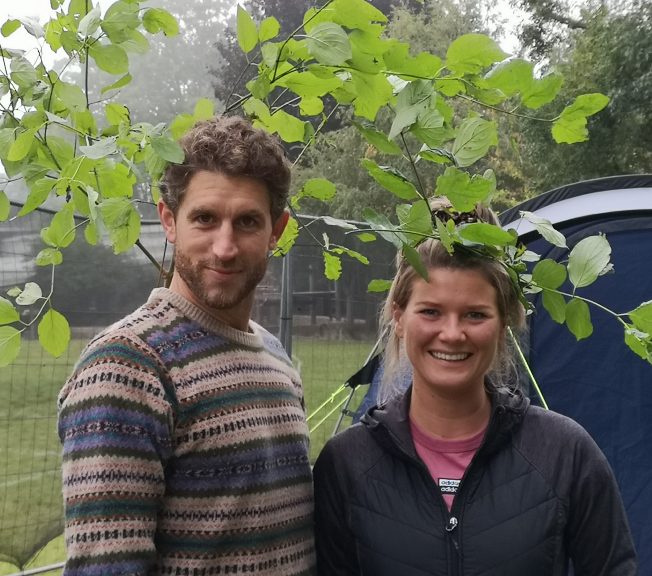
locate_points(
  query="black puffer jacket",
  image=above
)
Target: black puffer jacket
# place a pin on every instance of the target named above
(537, 494)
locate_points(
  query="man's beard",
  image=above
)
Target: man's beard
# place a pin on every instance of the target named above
(221, 297)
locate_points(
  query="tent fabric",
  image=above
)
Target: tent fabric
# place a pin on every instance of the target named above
(599, 381)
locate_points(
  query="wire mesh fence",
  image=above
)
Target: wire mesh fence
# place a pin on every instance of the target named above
(332, 327)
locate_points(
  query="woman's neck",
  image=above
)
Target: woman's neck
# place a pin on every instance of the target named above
(450, 416)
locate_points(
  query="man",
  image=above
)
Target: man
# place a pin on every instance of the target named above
(185, 442)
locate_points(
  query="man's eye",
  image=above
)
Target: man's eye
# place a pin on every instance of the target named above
(248, 222)
(203, 218)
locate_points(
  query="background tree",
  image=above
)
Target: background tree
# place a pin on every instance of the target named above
(169, 75)
(612, 54)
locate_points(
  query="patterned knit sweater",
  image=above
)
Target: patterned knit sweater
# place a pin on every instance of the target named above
(185, 450)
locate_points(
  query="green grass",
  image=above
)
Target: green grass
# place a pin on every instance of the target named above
(30, 453)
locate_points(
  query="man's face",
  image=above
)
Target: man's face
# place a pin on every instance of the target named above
(222, 233)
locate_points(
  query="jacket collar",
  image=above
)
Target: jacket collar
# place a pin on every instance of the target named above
(390, 427)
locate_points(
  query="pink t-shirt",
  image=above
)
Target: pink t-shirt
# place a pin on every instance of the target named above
(446, 459)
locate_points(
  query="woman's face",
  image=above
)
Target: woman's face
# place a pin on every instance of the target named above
(451, 328)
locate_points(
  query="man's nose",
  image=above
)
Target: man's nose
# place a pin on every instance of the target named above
(225, 246)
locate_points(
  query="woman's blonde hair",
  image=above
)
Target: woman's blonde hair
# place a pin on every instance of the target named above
(434, 255)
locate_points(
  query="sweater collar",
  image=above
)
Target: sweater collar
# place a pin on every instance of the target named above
(253, 338)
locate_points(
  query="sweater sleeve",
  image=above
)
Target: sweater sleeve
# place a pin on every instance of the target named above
(598, 535)
(115, 423)
(334, 540)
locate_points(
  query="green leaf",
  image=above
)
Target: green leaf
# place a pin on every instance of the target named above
(61, 231)
(117, 114)
(100, 149)
(110, 58)
(120, 83)
(414, 260)
(474, 138)
(328, 44)
(588, 260)
(372, 92)
(167, 149)
(310, 106)
(377, 139)
(437, 155)
(332, 266)
(159, 20)
(318, 188)
(21, 146)
(463, 191)
(511, 76)
(549, 274)
(5, 206)
(49, 257)
(33, 27)
(9, 345)
(542, 91)
(545, 228)
(307, 84)
(352, 253)
(555, 304)
(429, 129)
(379, 285)
(415, 219)
(269, 28)
(391, 180)
(488, 234)
(204, 109)
(382, 226)
(640, 346)
(570, 126)
(90, 233)
(54, 332)
(246, 30)
(398, 61)
(120, 20)
(642, 317)
(470, 53)
(288, 238)
(288, 127)
(412, 101)
(8, 314)
(366, 237)
(122, 222)
(9, 27)
(578, 318)
(89, 24)
(30, 294)
(38, 193)
(23, 73)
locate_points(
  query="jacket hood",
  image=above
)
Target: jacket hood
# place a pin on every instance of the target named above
(389, 423)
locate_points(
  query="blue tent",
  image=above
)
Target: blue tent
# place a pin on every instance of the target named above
(598, 381)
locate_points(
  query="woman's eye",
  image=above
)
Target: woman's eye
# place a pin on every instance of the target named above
(477, 315)
(429, 312)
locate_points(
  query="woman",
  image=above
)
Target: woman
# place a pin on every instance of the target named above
(460, 475)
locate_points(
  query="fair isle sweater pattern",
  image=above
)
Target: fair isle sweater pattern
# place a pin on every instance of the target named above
(185, 450)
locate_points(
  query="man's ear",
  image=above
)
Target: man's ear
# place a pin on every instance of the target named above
(277, 229)
(167, 221)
